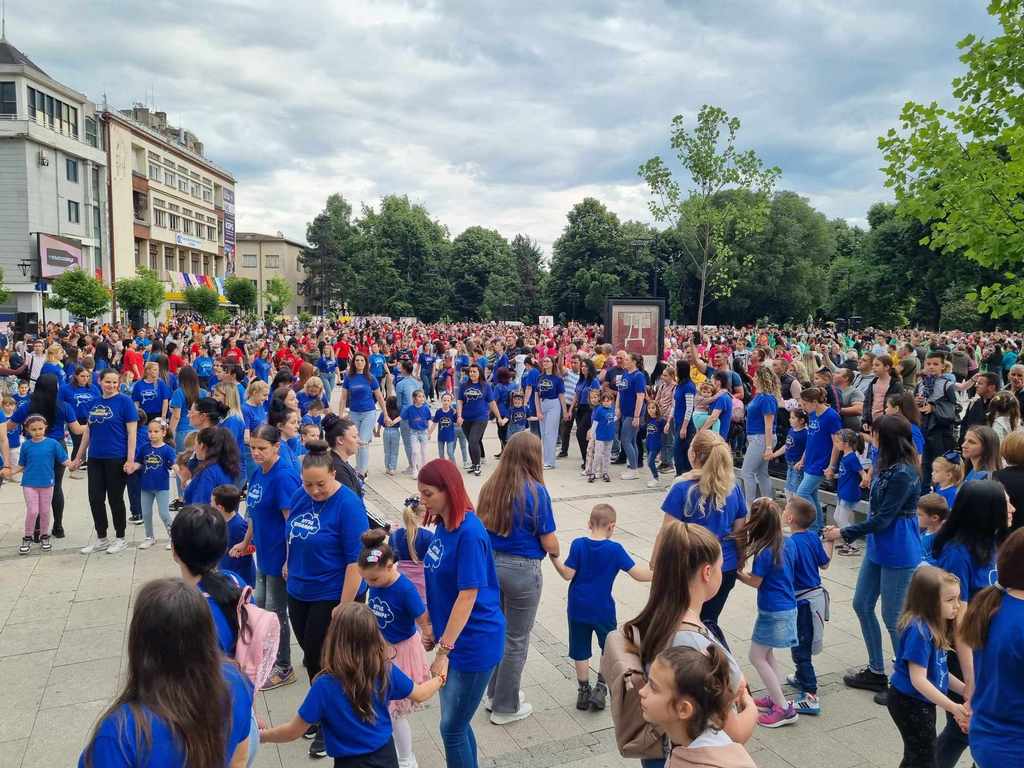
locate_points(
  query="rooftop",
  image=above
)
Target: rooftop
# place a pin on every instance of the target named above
(257, 237)
(11, 55)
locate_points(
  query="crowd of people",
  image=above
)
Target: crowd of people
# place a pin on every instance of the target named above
(252, 444)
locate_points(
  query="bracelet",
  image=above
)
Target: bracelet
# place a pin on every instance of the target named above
(446, 646)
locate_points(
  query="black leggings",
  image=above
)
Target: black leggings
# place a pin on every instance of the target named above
(106, 483)
(712, 609)
(309, 624)
(952, 741)
(584, 418)
(475, 435)
(385, 757)
(915, 720)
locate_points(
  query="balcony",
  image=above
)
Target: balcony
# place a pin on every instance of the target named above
(49, 134)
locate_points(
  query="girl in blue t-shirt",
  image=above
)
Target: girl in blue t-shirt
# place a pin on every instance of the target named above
(410, 545)
(920, 679)
(417, 418)
(793, 450)
(350, 697)
(848, 480)
(654, 429)
(444, 422)
(772, 576)
(399, 609)
(37, 459)
(981, 452)
(947, 474)
(389, 423)
(254, 415)
(155, 460)
(327, 368)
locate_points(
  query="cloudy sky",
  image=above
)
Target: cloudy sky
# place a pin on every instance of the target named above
(504, 114)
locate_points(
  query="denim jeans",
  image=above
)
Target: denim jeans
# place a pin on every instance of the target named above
(809, 490)
(652, 463)
(460, 698)
(406, 433)
(427, 380)
(392, 439)
(754, 472)
(668, 442)
(328, 380)
(272, 593)
(627, 438)
(418, 438)
(890, 584)
(520, 581)
(162, 499)
(463, 444)
(681, 449)
(444, 450)
(794, 477)
(364, 421)
(806, 680)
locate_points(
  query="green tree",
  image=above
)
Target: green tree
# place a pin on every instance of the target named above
(204, 301)
(476, 255)
(714, 165)
(329, 263)
(142, 293)
(960, 170)
(5, 294)
(79, 293)
(529, 290)
(277, 295)
(241, 291)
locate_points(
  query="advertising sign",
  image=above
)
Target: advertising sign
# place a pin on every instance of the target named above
(57, 255)
(188, 241)
(635, 325)
(229, 225)
(546, 321)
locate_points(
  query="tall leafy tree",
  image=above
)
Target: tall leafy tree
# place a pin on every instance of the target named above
(241, 291)
(142, 293)
(329, 262)
(479, 256)
(960, 170)
(528, 259)
(714, 165)
(204, 301)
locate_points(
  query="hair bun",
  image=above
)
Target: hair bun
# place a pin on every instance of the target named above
(317, 448)
(373, 537)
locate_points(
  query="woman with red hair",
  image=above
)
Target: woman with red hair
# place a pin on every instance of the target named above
(464, 606)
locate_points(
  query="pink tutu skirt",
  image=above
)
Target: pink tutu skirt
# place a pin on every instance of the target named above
(411, 659)
(414, 573)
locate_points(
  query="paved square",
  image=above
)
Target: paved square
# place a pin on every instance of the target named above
(63, 619)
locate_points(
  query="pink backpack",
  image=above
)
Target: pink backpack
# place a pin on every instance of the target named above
(256, 648)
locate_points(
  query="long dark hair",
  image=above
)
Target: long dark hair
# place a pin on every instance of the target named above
(983, 608)
(895, 442)
(44, 398)
(356, 655)
(221, 449)
(978, 520)
(211, 409)
(188, 382)
(335, 426)
(172, 630)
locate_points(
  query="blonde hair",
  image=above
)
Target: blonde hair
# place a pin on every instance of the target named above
(411, 521)
(230, 394)
(955, 471)
(316, 380)
(54, 353)
(767, 382)
(715, 473)
(257, 388)
(1012, 448)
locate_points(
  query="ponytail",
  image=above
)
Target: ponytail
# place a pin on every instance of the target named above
(703, 677)
(411, 522)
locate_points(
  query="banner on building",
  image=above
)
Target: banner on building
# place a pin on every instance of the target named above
(183, 280)
(229, 230)
(57, 255)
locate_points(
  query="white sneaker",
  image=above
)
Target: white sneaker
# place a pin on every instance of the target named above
(147, 542)
(117, 546)
(489, 702)
(97, 546)
(652, 483)
(408, 762)
(629, 474)
(168, 547)
(503, 718)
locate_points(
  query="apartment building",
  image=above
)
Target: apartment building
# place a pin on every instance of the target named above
(53, 185)
(263, 257)
(172, 209)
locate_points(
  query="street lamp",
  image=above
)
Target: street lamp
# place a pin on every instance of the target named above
(25, 265)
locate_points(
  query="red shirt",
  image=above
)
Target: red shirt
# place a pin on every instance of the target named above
(133, 362)
(234, 353)
(174, 362)
(342, 350)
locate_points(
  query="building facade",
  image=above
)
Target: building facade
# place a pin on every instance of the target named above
(264, 257)
(53, 184)
(171, 209)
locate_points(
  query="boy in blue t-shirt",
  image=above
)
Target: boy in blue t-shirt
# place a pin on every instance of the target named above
(13, 435)
(443, 421)
(932, 510)
(226, 500)
(592, 565)
(810, 557)
(518, 415)
(601, 435)
(848, 481)
(793, 450)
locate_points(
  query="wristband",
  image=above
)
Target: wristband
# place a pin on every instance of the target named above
(446, 646)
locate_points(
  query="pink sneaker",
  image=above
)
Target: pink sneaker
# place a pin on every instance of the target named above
(778, 717)
(764, 704)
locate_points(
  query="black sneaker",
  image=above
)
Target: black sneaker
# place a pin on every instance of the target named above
(583, 697)
(317, 748)
(590, 478)
(177, 504)
(562, 456)
(135, 520)
(311, 732)
(621, 460)
(57, 533)
(598, 696)
(867, 680)
(475, 470)
(882, 698)
(606, 479)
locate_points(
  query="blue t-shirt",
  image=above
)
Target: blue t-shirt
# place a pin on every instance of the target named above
(604, 423)
(108, 431)
(445, 421)
(304, 399)
(917, 646)
(203, 366)
(404, 390)
(117, 746)
(684, 503)
(655, 430)
(550, 386)
(254, 417)
(530, 520)
(974, 576)
(777, 591)
(997, 730)
(226, 637)
(261, 369)
(760, 406)
(519, 419)
(416, 417)
(399, 543)
(977, 474)
(848, 481)
(796, 441)
(458, 560)
(530, 379)
(630, 385)
(949, 494)
(63, 414)
(200, 488)
(808, 556)
(179, 401)
(502, 394)
(897, 545)
(156, 465)
(820, 429)
(396, 607)
(38, 459)
(377, 364)
(723, 404)
(328, 367)
(679, 401)
(360, 390)
(345, 733)
(244, 566)
(269, 493)
(151, 396)
(475, 399)
(323, 539)
(235, 424)
(597, 563)
(927, 541)
(80, 398)
(426, 363)
(918, 437)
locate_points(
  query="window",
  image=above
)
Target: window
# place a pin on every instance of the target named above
(8, 99)
(169, 178)
(52, 112)
(74, 212)
(195, 190)
(211, 234)
(154, 257)
(272, 262)
(207, 195)
(197, 269)
(158, 203)
(173, 207)
(91, 137)
(160, 218)
(97, 228)
(155, 171)
(182, 185)
(95, 183)
(170, 259)
(72, 170)
(187, 224)
(175, 223)
(248, 259)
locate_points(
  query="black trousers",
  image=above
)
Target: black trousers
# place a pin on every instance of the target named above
(309, 624)
(385, 757)
(584, 419)
(952, 741)
(503, 434)
(915, 720)
(475, 436)
(565, 435)
(712, 609)
(106, 484)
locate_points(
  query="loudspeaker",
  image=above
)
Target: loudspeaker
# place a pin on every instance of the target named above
(26, 322)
